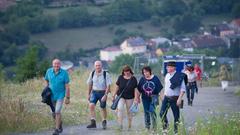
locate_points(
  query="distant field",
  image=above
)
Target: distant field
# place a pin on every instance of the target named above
(56, 11)
(215, 19)
(85, 38)
(91, 37)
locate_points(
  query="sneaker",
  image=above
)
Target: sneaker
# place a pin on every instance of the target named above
(92, 124)
(56, 132)
(165, 132)
(104, 124)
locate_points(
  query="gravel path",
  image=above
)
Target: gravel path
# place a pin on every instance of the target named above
(209, 101)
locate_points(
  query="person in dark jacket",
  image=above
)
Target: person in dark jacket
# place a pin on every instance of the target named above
(173, 92)
(148, 86)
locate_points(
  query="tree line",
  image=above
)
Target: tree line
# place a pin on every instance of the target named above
(19, 21)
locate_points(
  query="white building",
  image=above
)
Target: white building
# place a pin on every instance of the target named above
(160, 40)
(134, 45)
(110, 53)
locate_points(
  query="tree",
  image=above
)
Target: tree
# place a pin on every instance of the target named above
(126, 11)
(27, 65)
(42, 68)
(1, 74)
(16, 32)
(234, 49)
(156, 20)
(42, 23)
(22, 9)
(10, 55)
(236, 11)
(120, 61)
(171, 7)
(186, 23)
(75, 18)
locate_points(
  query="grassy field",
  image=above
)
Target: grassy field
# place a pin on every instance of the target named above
(218, 125)
(22, 110)
(100, 37)
(216, 19)
(56, 11)
(92, 37)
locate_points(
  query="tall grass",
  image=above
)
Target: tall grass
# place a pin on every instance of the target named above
(21, 109)
(218, 125)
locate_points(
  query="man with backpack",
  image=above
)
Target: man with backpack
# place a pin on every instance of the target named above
(99, 83)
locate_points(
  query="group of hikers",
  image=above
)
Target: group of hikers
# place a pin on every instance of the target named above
(149, 89)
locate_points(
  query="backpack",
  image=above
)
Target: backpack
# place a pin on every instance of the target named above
(104, 74)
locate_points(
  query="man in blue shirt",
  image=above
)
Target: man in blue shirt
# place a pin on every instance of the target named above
(57, 80)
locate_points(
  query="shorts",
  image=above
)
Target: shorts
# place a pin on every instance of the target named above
(97, 96)
(58, 105)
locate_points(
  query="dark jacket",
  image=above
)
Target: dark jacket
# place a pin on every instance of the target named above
(46, 97)
(177, 79)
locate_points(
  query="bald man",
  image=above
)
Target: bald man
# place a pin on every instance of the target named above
(99, 83)
(57, 80)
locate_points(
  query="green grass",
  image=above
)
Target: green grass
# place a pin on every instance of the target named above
(91, 37)
(22, 110)
(216, 19)
(55, 11)
(218, 125)
(237, 92)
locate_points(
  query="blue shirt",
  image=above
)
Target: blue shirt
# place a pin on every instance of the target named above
(149, 87)
(57, 82)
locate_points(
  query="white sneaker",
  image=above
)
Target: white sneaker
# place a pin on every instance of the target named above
(165, 131)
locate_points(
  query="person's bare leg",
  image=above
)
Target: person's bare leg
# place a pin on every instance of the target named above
(92, 116)
(92, 111)
(120, 112)
(58, 120)
(129, 103)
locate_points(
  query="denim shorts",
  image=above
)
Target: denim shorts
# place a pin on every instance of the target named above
(97, 96)
(58, 105)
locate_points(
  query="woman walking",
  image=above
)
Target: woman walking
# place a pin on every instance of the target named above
(127, 83)
(192, 84)
(149, 87)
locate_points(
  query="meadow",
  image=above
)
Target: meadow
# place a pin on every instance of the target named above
(22, 110)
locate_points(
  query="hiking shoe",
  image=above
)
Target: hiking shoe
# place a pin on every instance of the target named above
(104, 124)
(56, 132)
(92, 124)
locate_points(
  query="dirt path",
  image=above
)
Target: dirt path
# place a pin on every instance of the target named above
(209, 101)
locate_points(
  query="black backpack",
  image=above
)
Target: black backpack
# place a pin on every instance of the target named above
(104, 74)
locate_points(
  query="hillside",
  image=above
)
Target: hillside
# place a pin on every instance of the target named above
(99, 37)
